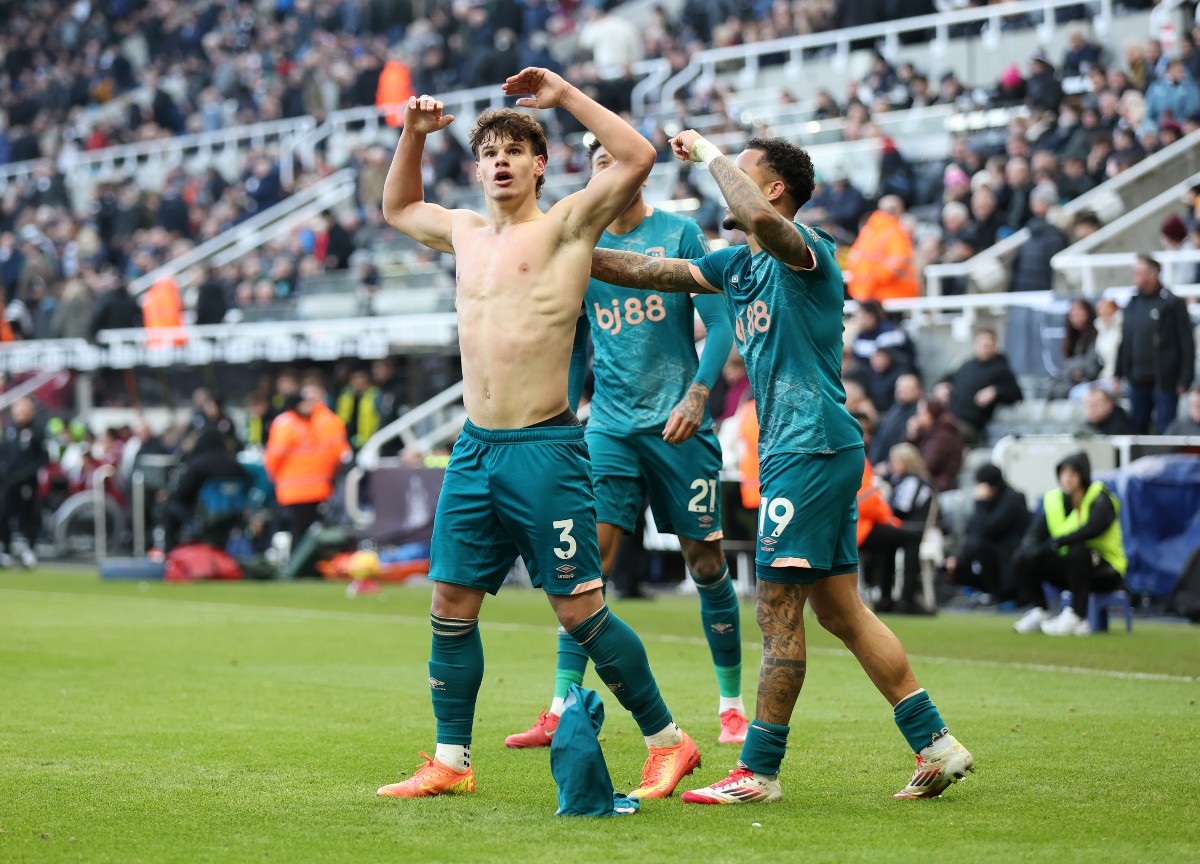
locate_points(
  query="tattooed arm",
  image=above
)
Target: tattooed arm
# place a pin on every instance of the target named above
(632, 270)
(751, 209)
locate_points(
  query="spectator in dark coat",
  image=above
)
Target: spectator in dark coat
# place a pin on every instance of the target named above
(893, 425)
(887, 365)
(213, 456)
(876, 331)
(1043, 92)
(975, 389)
(1158, 349)
(22, 454)
(212, 299)
(935, 432)
(994, 530)
(1103, 415)
(1189, 423)
(1031, 269)
(115, 309)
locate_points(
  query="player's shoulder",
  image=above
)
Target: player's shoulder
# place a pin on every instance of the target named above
(817, 236)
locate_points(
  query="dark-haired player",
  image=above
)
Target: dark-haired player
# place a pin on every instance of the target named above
(650, 434)
(785, 294)
(519, 481)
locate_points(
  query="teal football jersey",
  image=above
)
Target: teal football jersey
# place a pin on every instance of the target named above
(644, 343)
(788, 327)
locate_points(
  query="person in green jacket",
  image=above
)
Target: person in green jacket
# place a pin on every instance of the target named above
(1074, 543)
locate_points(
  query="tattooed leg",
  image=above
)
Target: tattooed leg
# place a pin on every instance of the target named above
(780, 613)
(840, 610)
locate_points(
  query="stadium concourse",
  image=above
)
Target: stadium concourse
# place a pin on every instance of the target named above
(233, 155)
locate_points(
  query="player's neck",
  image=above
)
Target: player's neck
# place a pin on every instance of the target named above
(505, 214)
(635, 214)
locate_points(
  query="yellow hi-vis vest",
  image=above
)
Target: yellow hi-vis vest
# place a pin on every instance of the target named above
(1059, 522)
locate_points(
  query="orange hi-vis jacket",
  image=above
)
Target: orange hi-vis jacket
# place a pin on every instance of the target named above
(880, 262)
(748, 463)
(394, 88)
(303, 455)
(163, 307)
(873, 508)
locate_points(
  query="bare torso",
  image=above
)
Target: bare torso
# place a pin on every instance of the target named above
(519, 294)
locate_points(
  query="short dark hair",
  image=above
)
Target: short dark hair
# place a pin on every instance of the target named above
(981, 331)
(593, 145)
(512, 125)
(790, 163)
(1150, 262)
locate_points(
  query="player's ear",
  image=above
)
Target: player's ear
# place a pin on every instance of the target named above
(539, 166)
(478, 173)
(775, 190)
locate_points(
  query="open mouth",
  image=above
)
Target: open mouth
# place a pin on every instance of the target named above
(502, 178)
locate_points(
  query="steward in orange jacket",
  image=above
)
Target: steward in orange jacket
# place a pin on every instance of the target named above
(394, 88)
(880, 263)
(873, 508)
(304, 451)
(747, 420)
(163, 308)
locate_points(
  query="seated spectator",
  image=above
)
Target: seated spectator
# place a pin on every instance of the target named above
(880, 263)
(998, 520)
(893, 426)
(1174, 237)
(212, 456)
(1174, 94)
(1031, 268)
(1103, 415)
(935, 432)
(1081, 361)
(838, 203)
(986, 216)
(910, 501)
(1189, 423)
(975, 388)
(1073, 543)
(876, 330)
(1081, 55)
(887, 365)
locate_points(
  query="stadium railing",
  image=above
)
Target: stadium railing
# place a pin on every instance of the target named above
(150, 161)
(1107, 255)
(706, 66)
(988, 271)
(259, 230)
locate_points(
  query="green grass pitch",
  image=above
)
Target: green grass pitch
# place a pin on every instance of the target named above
(254, 722)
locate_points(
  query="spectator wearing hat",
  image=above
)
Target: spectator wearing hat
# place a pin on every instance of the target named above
(1031, 269)
(1043, 92)
(1174, 237)
(997, 522)
(1174, 94)
(1158, 349)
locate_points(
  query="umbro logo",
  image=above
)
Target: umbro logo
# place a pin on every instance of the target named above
(435, 684)
(733, 279)
(705, 520)
(565, 568)
(721, 628)
(768, 541)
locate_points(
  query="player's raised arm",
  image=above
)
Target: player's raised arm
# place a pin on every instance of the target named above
(404, 204)
(634, 270)
(747, 196)
(588, 212)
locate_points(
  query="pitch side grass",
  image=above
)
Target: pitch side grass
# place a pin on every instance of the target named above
(253, 722)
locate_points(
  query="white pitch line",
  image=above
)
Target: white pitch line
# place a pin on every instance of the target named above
(510, 627)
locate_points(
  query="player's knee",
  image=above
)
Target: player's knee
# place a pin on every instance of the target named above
(704, 561)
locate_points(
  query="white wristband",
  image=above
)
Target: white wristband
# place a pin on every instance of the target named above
(704, 151)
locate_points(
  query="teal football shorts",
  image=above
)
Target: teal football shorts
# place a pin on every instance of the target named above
(808, 518)
(682, 481)
(511, 492)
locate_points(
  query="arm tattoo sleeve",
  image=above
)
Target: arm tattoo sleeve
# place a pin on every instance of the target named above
(776, 234)
(631, 270)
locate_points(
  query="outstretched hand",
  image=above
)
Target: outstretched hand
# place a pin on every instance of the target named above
(424, 115)
(547, 88)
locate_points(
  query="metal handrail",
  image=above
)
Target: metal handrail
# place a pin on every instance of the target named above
(333, 186)
(705, 62)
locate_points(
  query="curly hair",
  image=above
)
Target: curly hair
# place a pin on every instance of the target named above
(509, 124)
(790, 163)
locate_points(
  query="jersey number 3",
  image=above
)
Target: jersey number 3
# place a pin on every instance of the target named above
(564, 527)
